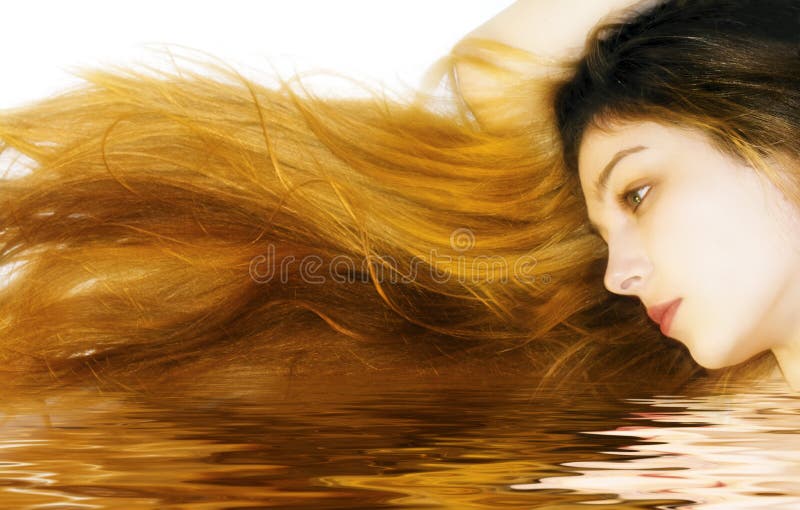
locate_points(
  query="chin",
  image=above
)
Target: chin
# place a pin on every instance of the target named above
(716, 349)
(710, 359)
(711, 365)
(716, 360)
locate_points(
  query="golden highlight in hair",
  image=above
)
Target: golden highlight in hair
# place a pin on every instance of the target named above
(179, 222)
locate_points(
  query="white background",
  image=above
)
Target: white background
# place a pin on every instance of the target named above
(387, 41)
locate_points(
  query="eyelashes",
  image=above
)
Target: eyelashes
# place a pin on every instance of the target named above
(631, 198)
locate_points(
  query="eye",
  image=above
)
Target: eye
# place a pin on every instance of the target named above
(632, 198)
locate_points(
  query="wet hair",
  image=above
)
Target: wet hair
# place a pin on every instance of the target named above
(729, 68)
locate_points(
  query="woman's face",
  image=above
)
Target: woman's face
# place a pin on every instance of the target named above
(683, 221)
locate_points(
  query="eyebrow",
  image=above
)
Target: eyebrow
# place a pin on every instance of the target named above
(601, 185)
(602, 181)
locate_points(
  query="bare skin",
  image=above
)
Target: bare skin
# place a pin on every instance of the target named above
(683, 221)
(551, 31)
(555, 31)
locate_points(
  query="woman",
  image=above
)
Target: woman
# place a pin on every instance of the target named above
(704, 93)
(688, 117)
(181, 225)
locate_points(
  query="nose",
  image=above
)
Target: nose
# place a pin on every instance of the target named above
(628, 265)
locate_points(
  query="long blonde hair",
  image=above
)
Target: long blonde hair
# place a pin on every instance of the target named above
(181, 221)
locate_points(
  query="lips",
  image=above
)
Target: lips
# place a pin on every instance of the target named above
(662, 314)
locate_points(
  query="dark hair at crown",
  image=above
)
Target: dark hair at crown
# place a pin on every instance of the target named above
(728, 67)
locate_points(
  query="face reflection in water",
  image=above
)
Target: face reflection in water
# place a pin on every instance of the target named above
(682, 220)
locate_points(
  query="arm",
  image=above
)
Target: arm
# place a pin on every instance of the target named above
(550, 32)
(552, 29)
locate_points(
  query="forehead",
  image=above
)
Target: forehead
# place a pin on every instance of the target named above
(600, 143)
(601, 146)
(606, 149)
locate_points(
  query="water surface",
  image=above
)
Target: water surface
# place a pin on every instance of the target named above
(348, 443)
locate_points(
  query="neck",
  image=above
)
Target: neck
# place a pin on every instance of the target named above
(786, 331)
(788, 356)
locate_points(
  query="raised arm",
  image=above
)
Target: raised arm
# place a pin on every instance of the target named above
(549, 32)
(552, 29)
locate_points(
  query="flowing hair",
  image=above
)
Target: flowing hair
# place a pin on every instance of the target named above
(182, 221)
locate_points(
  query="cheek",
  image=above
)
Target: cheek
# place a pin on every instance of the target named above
(720, 252)
(731, 246)
(698, 241)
